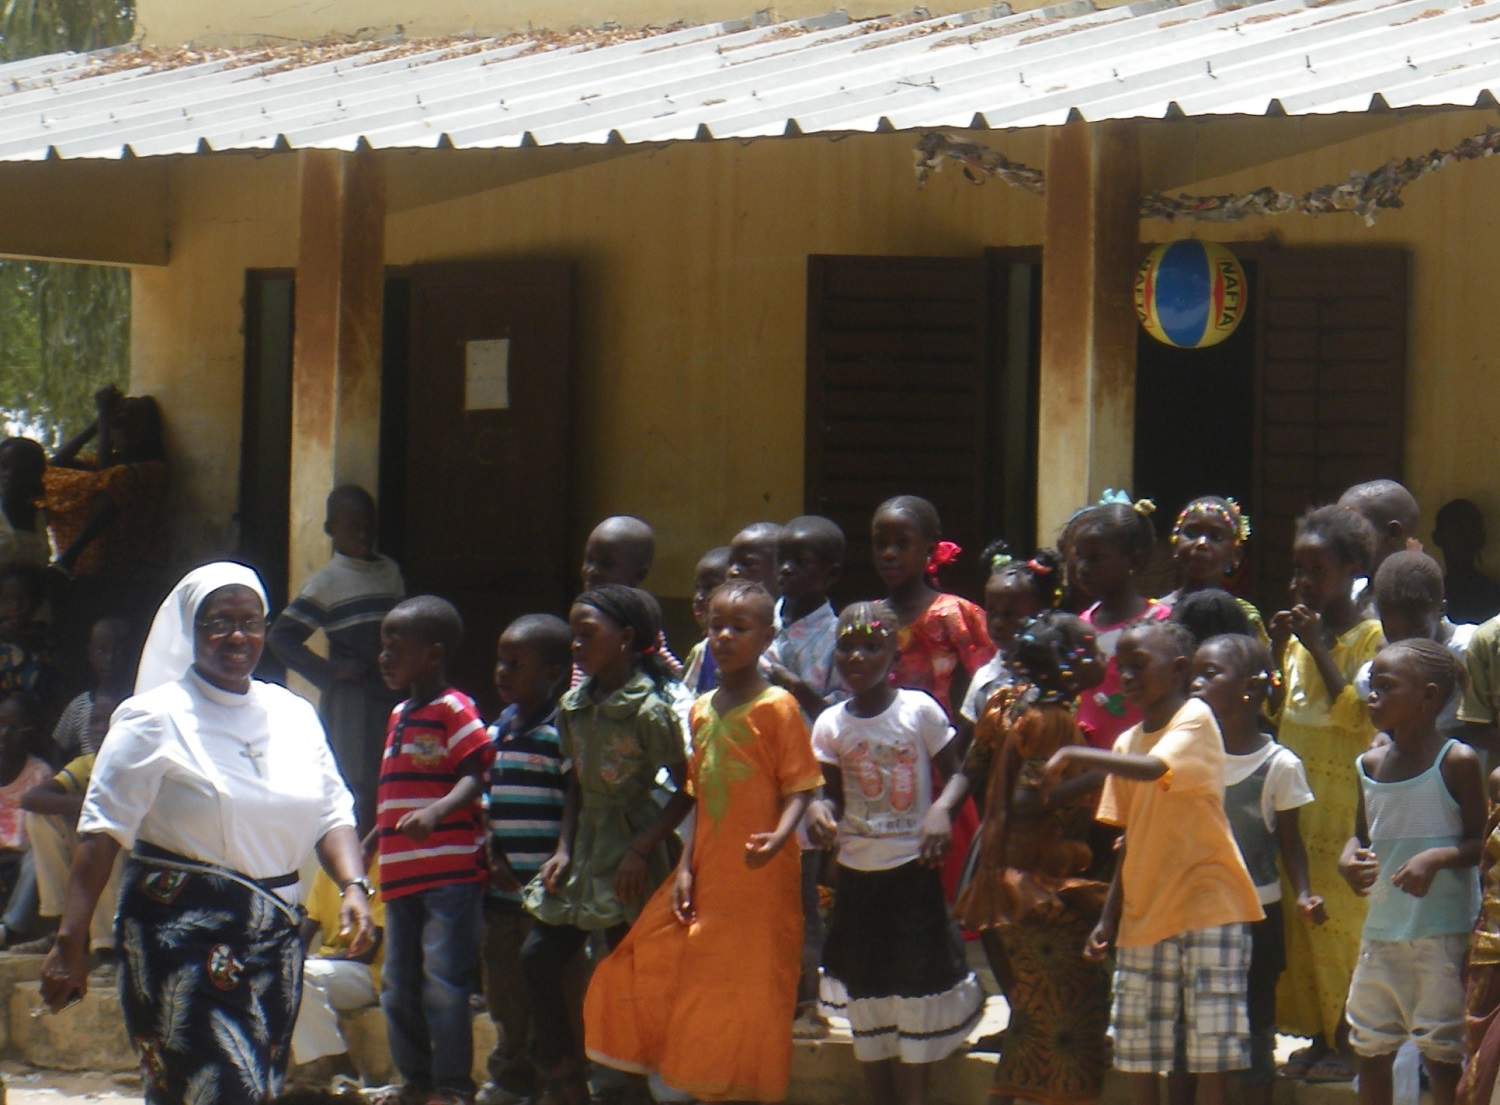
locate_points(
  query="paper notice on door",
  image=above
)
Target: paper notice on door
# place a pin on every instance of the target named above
(487, 375)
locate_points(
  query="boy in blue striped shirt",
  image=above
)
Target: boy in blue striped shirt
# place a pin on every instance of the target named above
(526, 789)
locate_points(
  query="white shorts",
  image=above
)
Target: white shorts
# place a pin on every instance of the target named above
(1409, 990)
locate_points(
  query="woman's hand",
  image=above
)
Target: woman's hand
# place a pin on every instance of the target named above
(355, 921)
(65, 974)
(630, 877)
(682, 897)
(937, 836)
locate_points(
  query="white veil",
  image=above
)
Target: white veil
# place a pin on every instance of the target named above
(169, 647)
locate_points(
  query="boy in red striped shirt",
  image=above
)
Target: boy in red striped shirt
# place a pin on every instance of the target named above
(431, 834)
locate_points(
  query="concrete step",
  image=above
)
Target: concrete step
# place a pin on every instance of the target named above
(91, 1036)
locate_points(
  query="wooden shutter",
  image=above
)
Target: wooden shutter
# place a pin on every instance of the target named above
(1330, 405)
(898, 399)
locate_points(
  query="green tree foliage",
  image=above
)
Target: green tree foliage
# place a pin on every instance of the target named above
(64, 329)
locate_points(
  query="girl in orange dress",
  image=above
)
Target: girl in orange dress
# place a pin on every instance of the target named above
(703, 988)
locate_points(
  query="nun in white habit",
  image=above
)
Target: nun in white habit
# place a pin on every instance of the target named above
(219, 785)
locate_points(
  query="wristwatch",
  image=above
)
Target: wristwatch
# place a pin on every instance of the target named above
(361, 882)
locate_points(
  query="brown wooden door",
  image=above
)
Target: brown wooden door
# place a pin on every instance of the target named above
(476, 471)
(1330, 405)
(907, 394)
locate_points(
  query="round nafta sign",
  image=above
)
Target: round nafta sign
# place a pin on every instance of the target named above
(1190, 294)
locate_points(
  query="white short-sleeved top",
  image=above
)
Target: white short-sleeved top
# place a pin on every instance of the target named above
(885, 762)
(242, 781)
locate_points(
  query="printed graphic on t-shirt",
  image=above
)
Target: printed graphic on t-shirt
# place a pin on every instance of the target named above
(884, 801)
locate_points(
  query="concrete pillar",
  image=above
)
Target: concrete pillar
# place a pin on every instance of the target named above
(1086, 401)
(336, 352)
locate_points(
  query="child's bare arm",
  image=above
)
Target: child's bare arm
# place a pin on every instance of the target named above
(1141, 769)
(50, 798)
(1294, 861)
(1308, 626)
(1070, 791)
(1103, 935)
(419, 824)
(761, 847)
(1465, 781)
(682, 890)
(1358, 863)
(826, 809)
(937, 823)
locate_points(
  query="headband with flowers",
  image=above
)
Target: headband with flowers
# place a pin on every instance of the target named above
(1226, 511)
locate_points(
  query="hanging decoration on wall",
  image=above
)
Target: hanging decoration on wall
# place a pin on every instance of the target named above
(1365, 194)
(1190, 294)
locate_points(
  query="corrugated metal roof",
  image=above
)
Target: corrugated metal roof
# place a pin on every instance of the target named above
(988, 68)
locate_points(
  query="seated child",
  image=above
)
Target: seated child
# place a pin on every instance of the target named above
(1416, 842)
(333, 981)
(346, 599)
(699, 672)
(430, 831)
(752, 554)
(112, 656)
(703, 986)
(51, 822)
(527, 788)
(25, 652)
(1265, 787)
(1182, 901)
(1408, 590)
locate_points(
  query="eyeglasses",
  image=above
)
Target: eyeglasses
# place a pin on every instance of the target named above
(217, 629)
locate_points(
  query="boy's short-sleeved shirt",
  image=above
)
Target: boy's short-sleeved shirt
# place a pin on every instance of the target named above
(1481, 703)
(885, 762)
(424, 750)
(526, 788)
(1450, 722)
(1182, 869)
(74, 777)
(805, 648)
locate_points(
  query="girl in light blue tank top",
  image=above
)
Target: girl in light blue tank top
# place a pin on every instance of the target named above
(1414, 853)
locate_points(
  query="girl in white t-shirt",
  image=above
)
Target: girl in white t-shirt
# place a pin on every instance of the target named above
(893, 962)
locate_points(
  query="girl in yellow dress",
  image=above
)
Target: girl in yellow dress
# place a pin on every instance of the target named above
(1322, 641)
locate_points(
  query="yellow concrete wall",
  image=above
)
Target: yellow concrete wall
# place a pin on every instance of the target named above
(692, 266)
(226, 214)
(1450, 225)
(691, 263)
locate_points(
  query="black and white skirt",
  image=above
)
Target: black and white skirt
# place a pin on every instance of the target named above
(893, 963)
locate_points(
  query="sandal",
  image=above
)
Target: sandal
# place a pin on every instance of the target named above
(1299, 1062)
(1331, 1068)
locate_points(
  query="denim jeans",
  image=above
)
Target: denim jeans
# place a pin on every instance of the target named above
(431, 968)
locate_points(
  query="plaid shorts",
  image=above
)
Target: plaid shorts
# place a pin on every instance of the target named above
(1183, 998)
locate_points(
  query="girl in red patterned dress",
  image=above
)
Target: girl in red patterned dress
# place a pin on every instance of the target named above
(942, 639)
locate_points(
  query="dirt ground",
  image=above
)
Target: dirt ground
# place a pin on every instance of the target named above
(26, 1085)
